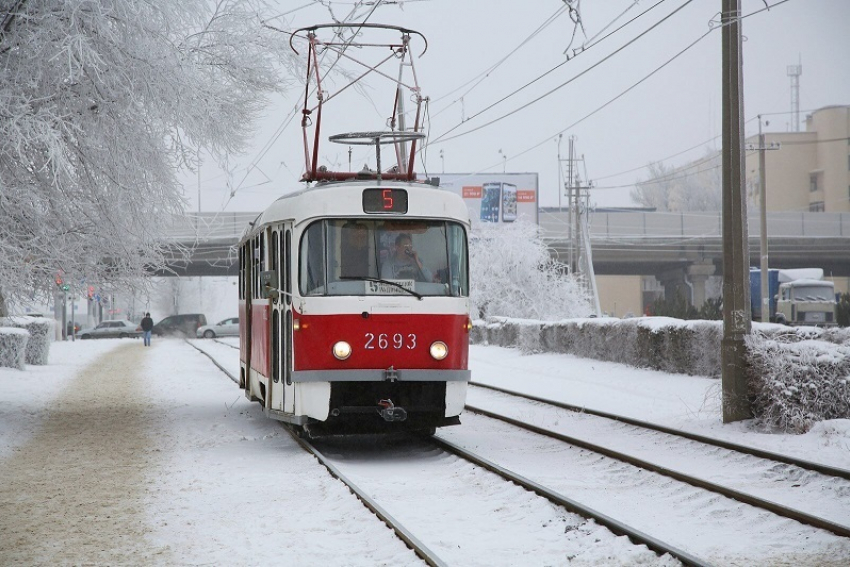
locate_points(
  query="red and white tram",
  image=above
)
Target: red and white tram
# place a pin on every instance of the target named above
(353, 305)
(353, 293)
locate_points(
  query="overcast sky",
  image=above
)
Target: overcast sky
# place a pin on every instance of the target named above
(626, 111)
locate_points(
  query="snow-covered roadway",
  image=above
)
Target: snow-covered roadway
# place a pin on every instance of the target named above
(213, 481)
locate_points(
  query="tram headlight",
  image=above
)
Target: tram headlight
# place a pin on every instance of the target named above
(341, 350)
(439, 350)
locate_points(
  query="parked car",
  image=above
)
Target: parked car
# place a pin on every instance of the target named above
(225, 328)
(111, 329)
(184, 325)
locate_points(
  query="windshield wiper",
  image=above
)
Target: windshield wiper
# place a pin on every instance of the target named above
(380, 280)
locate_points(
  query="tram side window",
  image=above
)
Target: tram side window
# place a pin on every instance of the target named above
(241, 273)
(312, 265)
(458, 258)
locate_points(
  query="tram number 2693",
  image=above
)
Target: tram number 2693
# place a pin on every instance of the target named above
(384, 341)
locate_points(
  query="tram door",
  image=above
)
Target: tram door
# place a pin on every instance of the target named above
(281, 320)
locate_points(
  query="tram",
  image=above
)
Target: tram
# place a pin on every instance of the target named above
(354, 296)
(337, 333)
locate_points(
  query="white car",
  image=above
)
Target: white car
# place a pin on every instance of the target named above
(112, 329)
(225, 328)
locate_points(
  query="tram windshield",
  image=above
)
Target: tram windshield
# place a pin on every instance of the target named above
(384, 257)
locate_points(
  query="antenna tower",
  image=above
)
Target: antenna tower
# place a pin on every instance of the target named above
(794, 71)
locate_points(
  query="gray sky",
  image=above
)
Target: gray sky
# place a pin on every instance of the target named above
(622, 118)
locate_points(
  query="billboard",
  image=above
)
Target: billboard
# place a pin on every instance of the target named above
(495, 197)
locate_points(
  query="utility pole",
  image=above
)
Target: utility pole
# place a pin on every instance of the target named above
(569, 185)
(765, 287)
(573, 191)
(560, 183)
(736, 289)
(765, 282)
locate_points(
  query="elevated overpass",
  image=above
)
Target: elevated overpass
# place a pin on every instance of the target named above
(673, 247)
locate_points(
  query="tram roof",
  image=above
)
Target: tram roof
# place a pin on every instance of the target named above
(344, 199)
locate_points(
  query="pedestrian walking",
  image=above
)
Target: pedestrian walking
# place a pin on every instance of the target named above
(147, 326)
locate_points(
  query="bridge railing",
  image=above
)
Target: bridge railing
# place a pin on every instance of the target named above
(204, 227)
(636, 225)
(555, 225)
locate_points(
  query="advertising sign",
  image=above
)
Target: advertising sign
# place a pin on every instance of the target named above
(495, 197)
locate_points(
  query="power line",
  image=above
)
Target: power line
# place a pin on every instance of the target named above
(486, 73)
(579, 121)
(565, 83)
(584, 48)
(287, 121)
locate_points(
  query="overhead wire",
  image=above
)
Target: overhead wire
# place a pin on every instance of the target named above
(630, 88)
(565, 83)
(677, 154)
(486, 73)
(587, 45)
(288, 120)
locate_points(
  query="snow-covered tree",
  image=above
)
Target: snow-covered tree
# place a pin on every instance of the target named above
(513, 275)
(694, 187)
(101, 103)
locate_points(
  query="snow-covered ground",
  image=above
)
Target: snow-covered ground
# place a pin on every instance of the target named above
(114, 453)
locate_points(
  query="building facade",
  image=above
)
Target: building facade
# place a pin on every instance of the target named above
(810, 171)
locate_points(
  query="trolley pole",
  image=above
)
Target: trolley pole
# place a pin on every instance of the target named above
(736, 261)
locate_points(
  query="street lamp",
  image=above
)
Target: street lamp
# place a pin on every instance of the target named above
(504, 160)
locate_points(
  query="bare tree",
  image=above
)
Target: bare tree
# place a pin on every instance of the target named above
(656, 190)
(102, 102)
(693, 187)
(514, 275)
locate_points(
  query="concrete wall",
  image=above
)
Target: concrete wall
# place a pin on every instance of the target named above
(620, 295)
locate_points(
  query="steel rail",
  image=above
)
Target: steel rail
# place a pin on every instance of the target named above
(219, 341)
(803, 464)
(408, 538)
(617, 527)
(214, 361)
(777, 509)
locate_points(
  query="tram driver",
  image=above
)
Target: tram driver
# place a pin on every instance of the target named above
(404, 263)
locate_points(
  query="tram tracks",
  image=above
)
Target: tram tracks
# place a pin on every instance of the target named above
(786, 511)
(778, 457)
(552, 494)
(428, 555)
(808, 493)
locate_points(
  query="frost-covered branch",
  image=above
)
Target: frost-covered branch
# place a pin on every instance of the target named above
(101, 102)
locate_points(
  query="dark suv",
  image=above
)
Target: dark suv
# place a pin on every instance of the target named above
(183, 325)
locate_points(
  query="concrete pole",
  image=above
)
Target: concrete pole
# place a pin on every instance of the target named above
(736, 261)
(765, 280)
(569, 185)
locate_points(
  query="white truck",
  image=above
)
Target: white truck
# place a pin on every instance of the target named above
(805, 298)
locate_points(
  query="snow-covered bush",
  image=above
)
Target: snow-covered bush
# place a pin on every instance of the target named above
(795, 384)
(40, 331)
(513, 275)
(13, 346)
(797, 376)
(660, 343)
(786, 334)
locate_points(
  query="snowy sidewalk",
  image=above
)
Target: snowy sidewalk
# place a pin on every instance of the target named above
(74, 493)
